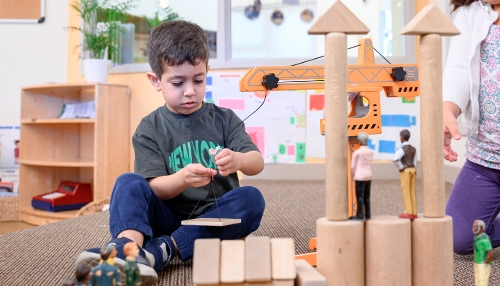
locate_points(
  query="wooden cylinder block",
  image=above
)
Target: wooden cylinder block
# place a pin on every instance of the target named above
(340, 251)
(388, 251)
(432, 250)
(431, 124)
(336, 139)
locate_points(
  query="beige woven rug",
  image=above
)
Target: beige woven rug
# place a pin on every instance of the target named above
(45, 255)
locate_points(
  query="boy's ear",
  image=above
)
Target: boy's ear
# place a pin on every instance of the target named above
(208, 68)
(155, 81)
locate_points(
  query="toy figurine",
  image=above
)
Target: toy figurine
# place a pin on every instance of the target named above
(361, 168)
(104, 274)
(82, 274)
(405, 162)
(483, 253)
(132, 275)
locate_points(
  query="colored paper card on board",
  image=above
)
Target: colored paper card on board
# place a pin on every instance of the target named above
(234, 104)
(257, 135)
(387, 146)
(409, 99)
(300, 155)
(209, 80)
(398, 120)
(290, 150)
(316, 102)
(282, 149)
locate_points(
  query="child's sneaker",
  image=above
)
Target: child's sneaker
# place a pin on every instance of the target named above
(149, 276)
(163, 250)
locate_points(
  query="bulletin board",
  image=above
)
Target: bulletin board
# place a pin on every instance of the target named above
(22, 11)
(285, 125)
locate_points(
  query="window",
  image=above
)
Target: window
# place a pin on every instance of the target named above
(248, 33)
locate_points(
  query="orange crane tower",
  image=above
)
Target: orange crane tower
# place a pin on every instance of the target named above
(365, 82)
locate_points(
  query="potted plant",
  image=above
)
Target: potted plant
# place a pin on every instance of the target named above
(160, 16)
(101, 30)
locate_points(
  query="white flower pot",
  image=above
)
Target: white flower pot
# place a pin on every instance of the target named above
(96, 70)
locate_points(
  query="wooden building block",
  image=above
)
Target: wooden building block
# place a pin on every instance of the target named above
(341, 251)
(338, 19)
(207, 221)
(232, 263)
(257, 259)
(206, 261)
(432, 250)
(308, 275)
(388, 251)
(283, 258)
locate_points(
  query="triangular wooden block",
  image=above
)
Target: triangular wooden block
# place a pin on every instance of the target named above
(430, 20)
(338, 19)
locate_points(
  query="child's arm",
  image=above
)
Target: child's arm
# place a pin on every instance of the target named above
(194, 175)
(249, 163)
(450, 113)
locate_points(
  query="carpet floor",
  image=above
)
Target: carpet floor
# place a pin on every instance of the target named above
(45, 255)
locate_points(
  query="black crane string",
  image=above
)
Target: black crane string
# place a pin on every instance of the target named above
(263, 101)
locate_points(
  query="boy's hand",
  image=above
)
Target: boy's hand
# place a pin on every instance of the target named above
(450, 131)
(227, 162)
(196, 175)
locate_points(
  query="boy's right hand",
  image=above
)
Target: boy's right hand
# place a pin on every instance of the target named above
(450, 131)
(197, 175)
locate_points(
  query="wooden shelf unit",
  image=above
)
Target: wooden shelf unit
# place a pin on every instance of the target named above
(84, 150)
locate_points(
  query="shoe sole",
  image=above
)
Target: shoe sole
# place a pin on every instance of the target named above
(148, 274)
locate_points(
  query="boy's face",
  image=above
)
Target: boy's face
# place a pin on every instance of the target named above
(183, 86)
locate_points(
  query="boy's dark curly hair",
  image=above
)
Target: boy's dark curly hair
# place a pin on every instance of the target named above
(176, 42)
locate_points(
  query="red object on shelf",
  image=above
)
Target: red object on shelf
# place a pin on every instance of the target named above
(68, 196)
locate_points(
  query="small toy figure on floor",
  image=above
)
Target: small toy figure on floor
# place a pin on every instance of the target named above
(483, 253)
(361, 168)
(105, 274)
(132, 275)
(82, 276)
(405, 162)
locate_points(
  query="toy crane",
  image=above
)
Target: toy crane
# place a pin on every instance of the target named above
(365, 81)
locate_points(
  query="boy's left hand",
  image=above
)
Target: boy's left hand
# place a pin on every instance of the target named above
(227, 162)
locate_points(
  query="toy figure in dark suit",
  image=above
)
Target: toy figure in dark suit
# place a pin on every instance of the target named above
(405, 161)
(105, 274)
(132, 274)
(361, 168)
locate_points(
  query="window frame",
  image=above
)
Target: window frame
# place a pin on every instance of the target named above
(224, 60)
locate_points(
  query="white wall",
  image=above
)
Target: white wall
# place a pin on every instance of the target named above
(31, 54)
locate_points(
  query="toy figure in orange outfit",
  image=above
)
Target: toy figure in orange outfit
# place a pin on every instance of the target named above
(405, 161)
(132, 274)
(483, 253)
(361, 168)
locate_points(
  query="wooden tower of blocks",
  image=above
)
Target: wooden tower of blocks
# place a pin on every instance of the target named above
(257, 260)
(384, 250)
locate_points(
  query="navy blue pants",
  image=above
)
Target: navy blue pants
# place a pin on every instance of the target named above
(475, 195)
(135, 206)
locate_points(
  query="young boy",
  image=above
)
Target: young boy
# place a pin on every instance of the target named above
(173, 166)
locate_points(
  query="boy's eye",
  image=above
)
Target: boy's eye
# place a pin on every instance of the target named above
(177, 83)
(198, 81)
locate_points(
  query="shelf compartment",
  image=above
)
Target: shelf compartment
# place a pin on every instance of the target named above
(57, 142)
(46, 102)
(45, 179)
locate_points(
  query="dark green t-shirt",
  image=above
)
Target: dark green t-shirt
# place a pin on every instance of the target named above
(165, 142)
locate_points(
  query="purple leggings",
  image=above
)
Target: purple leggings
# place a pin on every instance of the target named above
(475, 195)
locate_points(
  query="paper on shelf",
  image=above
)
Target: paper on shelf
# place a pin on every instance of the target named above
(78, 110)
